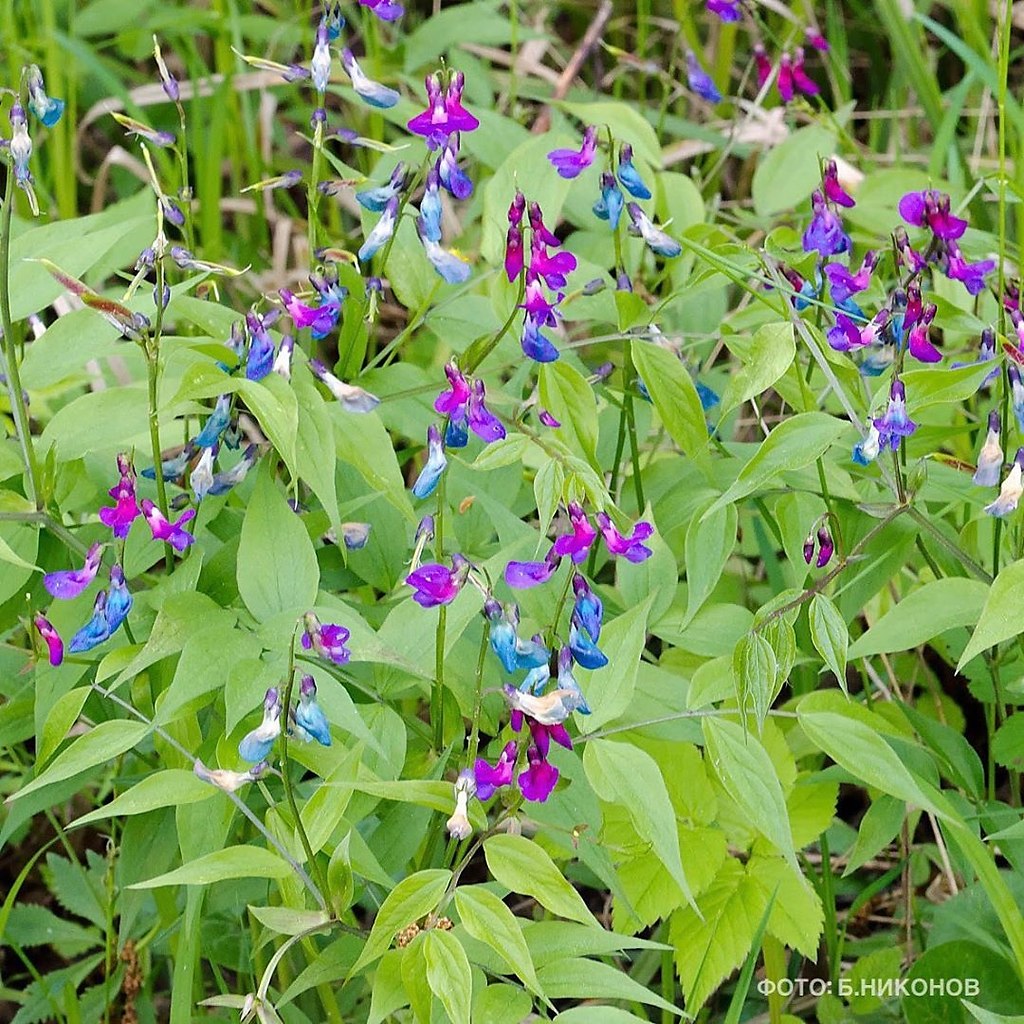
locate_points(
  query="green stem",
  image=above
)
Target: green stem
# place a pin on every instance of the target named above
(289, 792)
(474, 735)
(313, 193)
(634, 448)
(437, 690)
(473, 363)
(151, 348)
(14, 388)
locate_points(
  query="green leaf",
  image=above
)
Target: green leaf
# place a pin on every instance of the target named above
(749, 777)
(287, 921)
(755, 670)
(477, 22)
(829, 635)
(448, 974)
(489, 920)
(983, 1016)
(577, 978)
(103, 743)
(713, 942)
(414, 897)
(9, 555)
(314, 450)
(787, 174)
(169, 788)
(565, 393)
(770, 354)
(277, 566)
(548, 485)
(674, 396)
(598, 1015)
(925, 613)
(1000, 618)
(363, 442)
(1008, 743)
(623, 774)
(797, 918)
(793, 444)
(231, 862)
(508, 451)
(709, 543)
(274, 405)
(848, 734)
(524, 867)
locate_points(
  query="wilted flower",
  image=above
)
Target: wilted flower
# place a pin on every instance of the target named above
(454, 269)
(587, 610)
(990, 458)
(352, 398)
(376, 199)
(119, 599)
(866, 451)
(228, 780)
(256, 745)
(307, 716)
(657, 240)
(375, 94)
(583, 648)
(458, 824)
(223, 482)
(1011, 490)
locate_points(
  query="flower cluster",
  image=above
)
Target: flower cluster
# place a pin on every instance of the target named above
(48, 112)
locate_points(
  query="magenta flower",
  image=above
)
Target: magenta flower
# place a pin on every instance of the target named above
(537, 781)
(805, 84)
(547, 419)
(69, 583)
(911, 259)
(763, 64)
(632, 547)
(163, 529)
(490, 778)
(932, 208)
(445, 114)
(514, 255)
(523, 575)
(834, 191)
(125, 509)
(551, 268)
(437, 584)
(52, 639)
(320, 318)
(570, 163)
(577, 543)
(826, 547)
(846, 335)
(971, 274)
(845, 284)
(452, 401)
(328, 641)
(919, 345)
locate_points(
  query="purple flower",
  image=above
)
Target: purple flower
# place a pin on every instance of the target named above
(570, 163)
(452, 401)
(632, 547)
(482, 421)
(490, 778)
(514, 255)
(727, 10)
(971, 274)
(990, 458)
(386, 10)
(163, 529)
(451, 175)
(700, 81)
(547, 419)
(912, 260)
(445, 114)
(125, 509)
(826, 548)
(932, 208)
(328, 641)
(551, 268)
(259, 359)
(69, 583)
(537, 781)
(846, 335)
(435, 465)
(577, 543)
(1011, 490)
(523, 575)
(825, 232)
(52, 639)
(844, 284)
(437, 584)
(895, 424)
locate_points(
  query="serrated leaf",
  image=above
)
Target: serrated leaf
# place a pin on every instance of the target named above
(829, 635)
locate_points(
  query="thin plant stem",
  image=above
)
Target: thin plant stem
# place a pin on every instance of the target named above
(14, 389)
(151, 348)
(634, 448)
(437, 689)
(474, 735)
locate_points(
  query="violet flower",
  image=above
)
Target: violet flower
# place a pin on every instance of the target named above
(327, 641)
(931, 208)
(482, 421)
(845, 284)
(163, 529)
(570, 163)
(539, 779)
(826, 548)
(490, 778)
(825, 233)
(95, 631)
(52, 639)
(577, 543)
(386, 10)
(523, 575)
(67, 584)
(437, 584)
(700, 81)
(918, 344)
(895, 424)
(726, 10)
(445, 114)
(971, 274)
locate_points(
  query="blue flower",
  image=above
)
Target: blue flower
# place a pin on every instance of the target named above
(588, 610)
(172, 469)
(310, 721)
(320, 66)
(381, 232)
(47, 109)
(990, 458)
(371, 92)
(430, 208)
(259, 360)
(256, 745)
(865, 452)
(583, 649)
(223, 482)
(432, 469)
(376, 199)
(216, 423)
(119, 600)
(502, 636)
(700, 81)
(532, 654)
(568, 685)
(1016, 393)
(656, 239)
(1010, 492)
(630, 176)
(536, 344)
(895, 424)
(454, 269)
(453, 177)
(95, 631)
(609, 206)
